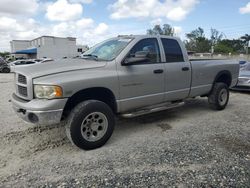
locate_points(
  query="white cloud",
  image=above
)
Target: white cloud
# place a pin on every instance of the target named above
(177, 14)
(62, 10)
(7, 24)
(88, 33)
(101, 29)
(177, 30)
(21, 28)
(157, 21)
(245, 9)
(81, 1)
(18, 7)
(85, 30)
(85, 23)
(175, 10)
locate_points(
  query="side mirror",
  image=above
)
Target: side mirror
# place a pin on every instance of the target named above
(139, 56)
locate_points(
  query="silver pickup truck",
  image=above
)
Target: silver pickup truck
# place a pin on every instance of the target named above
(125, 76)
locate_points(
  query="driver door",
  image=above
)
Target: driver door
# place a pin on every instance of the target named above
(142, 83)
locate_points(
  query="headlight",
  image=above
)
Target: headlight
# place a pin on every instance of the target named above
(47, 92)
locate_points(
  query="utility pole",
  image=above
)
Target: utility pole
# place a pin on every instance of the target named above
(248, 44)
(212, 51)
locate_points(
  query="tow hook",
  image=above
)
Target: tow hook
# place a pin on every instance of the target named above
(21, 111)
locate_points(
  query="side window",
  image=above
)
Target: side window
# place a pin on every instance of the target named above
(20, 63)
(30, 62)
(149, 45)
(172, 50)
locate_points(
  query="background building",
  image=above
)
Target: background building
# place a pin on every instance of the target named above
(46, 46)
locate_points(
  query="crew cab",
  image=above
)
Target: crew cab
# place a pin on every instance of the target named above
(125, 76)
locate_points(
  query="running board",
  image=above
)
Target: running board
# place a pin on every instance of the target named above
(149, 110)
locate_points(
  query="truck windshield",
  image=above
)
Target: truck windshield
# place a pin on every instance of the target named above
(107, 50)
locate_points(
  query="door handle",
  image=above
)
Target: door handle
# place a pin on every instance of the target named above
(185, 68)
(158, 71)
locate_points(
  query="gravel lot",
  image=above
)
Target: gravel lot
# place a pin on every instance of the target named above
(191, 146)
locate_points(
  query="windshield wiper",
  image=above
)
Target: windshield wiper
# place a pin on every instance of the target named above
(91, 55)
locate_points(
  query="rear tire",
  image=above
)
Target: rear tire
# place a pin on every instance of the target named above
(219, 96)
(90, 124)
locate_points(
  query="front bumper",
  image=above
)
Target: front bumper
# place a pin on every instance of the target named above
(39, 111)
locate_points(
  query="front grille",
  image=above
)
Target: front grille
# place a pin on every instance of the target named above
(22, 79)
(22, 91)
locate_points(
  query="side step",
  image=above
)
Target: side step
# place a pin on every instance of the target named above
(153, 109)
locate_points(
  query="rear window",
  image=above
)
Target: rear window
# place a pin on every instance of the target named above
(172, 50)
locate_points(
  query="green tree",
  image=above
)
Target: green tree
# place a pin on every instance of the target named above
(228, 45)
(197, 41)
(246, 39)
(222, 48)
(215, 37)
(197, 33)
(4, 54)
(158, 30)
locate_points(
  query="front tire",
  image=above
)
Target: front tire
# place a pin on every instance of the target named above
(90, 124)
(218, 99)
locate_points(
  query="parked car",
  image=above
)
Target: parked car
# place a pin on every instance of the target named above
(244, 78)
(126, 76)
(242, 63)
(22, 62)
(43, 60)
(4, 68)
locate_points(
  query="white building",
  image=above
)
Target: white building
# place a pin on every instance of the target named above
(47, 46)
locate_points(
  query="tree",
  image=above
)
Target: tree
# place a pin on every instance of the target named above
(216, 36)
(197, 41)
(246, 39)
(222, 48)
(229, 46)
(197, 33)
(158, 30)
(4, 54)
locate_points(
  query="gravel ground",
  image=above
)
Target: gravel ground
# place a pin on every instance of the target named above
(190, 146)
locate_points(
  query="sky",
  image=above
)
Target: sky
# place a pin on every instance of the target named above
(92, 21)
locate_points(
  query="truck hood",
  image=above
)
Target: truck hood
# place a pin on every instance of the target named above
(54, 67)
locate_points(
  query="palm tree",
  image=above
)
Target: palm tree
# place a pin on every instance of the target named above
(246, 39)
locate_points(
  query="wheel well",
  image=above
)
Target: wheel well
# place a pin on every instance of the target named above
(225, 77)
(98, 93)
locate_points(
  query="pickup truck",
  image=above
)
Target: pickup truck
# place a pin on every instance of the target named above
(125, 76)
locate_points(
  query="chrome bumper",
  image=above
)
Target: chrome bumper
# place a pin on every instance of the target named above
(42, 112)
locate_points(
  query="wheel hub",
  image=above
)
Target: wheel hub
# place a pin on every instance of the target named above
(223, 97)
(94, 126)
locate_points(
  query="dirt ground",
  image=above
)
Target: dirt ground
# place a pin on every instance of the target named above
(190, 146)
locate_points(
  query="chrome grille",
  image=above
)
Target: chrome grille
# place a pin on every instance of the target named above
(22, 90)
(22, 86)
(22, 79)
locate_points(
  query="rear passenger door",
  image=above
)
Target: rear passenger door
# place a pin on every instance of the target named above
(178, 71)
